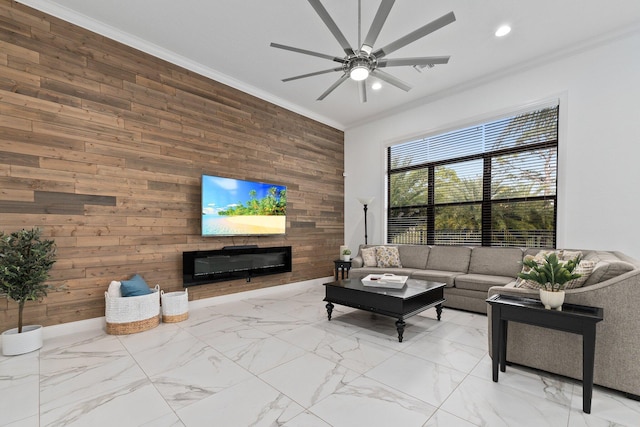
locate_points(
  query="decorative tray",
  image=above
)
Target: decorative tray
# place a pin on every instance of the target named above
(386, 280)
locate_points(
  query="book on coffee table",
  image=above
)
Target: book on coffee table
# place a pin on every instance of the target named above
(386, 280)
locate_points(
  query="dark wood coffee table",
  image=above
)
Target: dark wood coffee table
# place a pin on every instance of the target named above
(415, 297)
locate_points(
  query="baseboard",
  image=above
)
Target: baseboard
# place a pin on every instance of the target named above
(99, 323)
(239, 296)
(53, 331)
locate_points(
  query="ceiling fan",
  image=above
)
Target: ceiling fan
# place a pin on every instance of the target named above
(358, 64)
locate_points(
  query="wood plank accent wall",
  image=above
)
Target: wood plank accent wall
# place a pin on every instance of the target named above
(102, 146)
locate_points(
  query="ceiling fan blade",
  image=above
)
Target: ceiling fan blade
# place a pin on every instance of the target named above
(333, 86)
(362, 88)
(415, 35)
(391, 80)
(316, 73)
(429, 60)
(376, 25)
(330, 23)
(308, 52)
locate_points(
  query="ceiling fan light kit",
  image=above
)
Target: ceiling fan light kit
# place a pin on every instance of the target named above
(359, 70)
(359, 64)
(359, 73)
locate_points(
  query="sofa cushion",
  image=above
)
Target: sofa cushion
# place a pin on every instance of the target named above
(449, 258)
(388, 256)
(496, 261)
(568, 254)
(605, 270)
(527, 284)
(446, 277)
(539, 251)
(414, 256)
(369, 257)
(480, 282)
(584, 269)
(356, 262)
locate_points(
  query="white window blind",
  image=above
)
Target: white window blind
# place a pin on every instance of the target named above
(493, 184)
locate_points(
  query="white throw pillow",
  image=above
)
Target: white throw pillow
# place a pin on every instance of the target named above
(114, 289)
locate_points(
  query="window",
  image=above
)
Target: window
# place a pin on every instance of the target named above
(493, 184)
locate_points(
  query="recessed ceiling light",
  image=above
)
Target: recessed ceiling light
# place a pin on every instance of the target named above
(503, 31)
(376, 86)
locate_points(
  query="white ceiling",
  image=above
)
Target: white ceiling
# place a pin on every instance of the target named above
(228, 40)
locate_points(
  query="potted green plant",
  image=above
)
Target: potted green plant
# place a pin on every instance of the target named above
(552, 275)
(25, 261)
(346, 254)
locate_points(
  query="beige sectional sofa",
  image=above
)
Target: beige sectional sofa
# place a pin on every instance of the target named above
(468, 272)
(472, 274)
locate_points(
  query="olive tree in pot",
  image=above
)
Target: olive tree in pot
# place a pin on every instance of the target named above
(25, 261)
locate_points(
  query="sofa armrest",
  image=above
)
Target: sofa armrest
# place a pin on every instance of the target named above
(357, 262)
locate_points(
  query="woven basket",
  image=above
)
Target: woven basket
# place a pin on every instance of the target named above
(175, 306)
(129, 315)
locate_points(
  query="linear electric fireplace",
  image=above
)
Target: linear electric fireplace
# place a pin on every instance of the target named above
(245, 262)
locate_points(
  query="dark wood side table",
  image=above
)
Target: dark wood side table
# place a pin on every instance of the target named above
(576, 319)
(342, 266)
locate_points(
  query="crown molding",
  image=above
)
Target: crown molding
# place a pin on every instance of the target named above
(540, 61)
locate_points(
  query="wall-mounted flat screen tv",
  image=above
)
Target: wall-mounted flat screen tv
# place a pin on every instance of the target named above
(234, 207)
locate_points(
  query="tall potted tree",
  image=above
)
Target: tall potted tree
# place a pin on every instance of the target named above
(25, 261)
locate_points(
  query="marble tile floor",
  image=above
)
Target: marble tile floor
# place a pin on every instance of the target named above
(275, 360)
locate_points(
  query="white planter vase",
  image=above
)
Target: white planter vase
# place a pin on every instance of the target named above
(346, 257)
(29, 340)
(552, 300)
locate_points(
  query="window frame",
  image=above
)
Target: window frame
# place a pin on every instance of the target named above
(486, 203)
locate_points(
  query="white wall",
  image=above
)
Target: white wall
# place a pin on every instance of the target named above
(599, 153)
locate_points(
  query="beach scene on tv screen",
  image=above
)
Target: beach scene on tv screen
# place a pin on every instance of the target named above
(238, 207)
